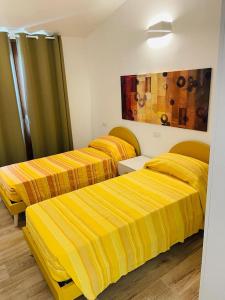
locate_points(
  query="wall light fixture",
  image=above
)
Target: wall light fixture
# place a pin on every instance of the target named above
(159, 29)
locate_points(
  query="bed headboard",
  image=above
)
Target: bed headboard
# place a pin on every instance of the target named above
(193, 149)
(128, 136)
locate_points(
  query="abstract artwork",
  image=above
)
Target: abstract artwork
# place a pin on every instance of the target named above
(177, 99)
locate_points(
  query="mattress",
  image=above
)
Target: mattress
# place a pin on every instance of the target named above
(99, 233)
(47, 177)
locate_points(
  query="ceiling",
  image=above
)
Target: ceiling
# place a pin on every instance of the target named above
(67, 17)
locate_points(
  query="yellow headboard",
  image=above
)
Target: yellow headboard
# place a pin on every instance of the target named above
(193, 149)
(128, 136)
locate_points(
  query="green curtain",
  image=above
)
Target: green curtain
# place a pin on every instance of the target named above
(12, 147)
(45, 91)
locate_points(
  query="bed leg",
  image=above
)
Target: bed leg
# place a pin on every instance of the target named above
(16, 220)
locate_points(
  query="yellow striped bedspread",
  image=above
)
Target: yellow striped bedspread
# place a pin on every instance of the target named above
(99, 233)
(47, 177)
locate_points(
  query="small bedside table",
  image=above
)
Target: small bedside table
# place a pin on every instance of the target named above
(132, 164)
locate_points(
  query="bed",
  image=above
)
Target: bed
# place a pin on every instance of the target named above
(87, 239)
(26, 183)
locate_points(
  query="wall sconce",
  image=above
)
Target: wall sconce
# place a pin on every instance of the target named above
(159, 29)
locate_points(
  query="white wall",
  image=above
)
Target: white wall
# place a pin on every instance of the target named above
(119, 47)
(78, 89)
(213, 263)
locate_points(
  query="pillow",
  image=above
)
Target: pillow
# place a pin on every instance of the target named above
(185, 168)
(115, 147)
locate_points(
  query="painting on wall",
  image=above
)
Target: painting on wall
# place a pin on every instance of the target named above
(177, 99)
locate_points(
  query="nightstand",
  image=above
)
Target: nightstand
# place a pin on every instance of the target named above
(132, 164)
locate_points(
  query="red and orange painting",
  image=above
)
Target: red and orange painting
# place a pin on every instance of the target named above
(177, 99)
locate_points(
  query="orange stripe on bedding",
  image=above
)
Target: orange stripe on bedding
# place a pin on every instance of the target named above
(120, 146)
(115, 147)
(43, 178)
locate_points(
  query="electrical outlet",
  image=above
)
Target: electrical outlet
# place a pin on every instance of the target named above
(156, 134)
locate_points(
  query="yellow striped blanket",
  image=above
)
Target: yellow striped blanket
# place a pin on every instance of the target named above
(99, 233)
(115, 147)
(43, 178)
